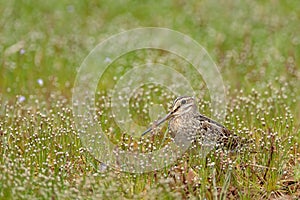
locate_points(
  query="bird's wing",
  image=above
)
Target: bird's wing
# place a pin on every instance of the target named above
(204, 118)
(212, 131)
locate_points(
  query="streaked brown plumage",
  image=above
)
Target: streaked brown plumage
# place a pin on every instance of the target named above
(185, 121)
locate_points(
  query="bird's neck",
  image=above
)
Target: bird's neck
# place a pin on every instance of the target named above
(187, 115)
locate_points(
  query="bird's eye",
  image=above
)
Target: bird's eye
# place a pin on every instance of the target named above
(183, 101)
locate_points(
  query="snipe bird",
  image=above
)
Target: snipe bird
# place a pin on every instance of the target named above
(185, 121)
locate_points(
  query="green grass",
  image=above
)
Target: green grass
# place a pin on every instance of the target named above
(256, 46)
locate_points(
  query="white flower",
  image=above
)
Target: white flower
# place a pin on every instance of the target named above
(40, 82)
(102, 167)
(21, 99)
(107, 60)
(22, 51)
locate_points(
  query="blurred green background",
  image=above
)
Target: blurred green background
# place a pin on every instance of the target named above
(251, 42)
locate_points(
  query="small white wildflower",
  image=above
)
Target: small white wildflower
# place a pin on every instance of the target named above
(107, 60)
(21, 99)
(22, 51)
(70, 8)
(40, 82)
(102, 167)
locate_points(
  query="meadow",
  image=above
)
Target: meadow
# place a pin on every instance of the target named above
(256, 46)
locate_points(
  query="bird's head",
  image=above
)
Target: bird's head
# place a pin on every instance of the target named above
(183, 105)
(180, 106)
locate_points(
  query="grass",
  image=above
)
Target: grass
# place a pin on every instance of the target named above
(255, 45)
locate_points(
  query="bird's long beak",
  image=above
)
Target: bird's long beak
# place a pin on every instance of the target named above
(159, 122)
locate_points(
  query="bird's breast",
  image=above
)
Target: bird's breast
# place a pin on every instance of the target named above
(181, 125)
